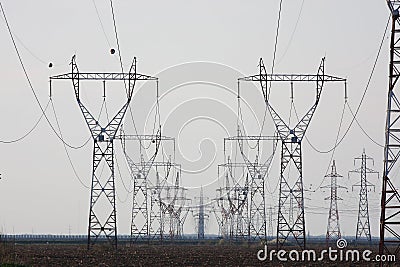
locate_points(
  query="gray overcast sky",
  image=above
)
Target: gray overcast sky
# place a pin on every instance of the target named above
(220, 41)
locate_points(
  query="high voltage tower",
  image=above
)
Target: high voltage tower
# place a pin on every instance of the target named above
(173, 209)
(201, 224)
(270, 228)
(254, 204)
(201, 216)
(242, 206)
(149, 210)
(390, 199)
(232, 201)
(103, 219)
(333, 229)
(363, 226)
(291, 140)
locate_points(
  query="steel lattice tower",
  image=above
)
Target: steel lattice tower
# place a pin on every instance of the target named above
(291, 149)
(157, 209)
(200, 231)
(363, 226)
(390, 199)
(333, 229)
(103, 220)
(233, 201)
(202, 216)
(172, 208)
(224, 211)
(141, 229)
(270, 224)
(256, 185)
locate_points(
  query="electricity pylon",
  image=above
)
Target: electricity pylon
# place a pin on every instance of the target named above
(271, 212)
(200, 232)
(233, 200)
(103, 219)
(333, 229)
(291, 139)
(140, 218)
(202, 215)
(157, 207)
(390, 199)
(363, 226)
(258, 173)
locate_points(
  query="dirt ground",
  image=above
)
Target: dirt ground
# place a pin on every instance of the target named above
(142, 255)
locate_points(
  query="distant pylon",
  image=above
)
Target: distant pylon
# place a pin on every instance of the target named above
(333, 229)
(270, 225)
(200, 233)
(363, 226)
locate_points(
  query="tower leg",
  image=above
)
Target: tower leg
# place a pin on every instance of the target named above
(102, 214)
(291, 152)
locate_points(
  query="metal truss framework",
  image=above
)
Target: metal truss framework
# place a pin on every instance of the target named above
(390, 198)
(103, 150)
(202, 216)
(291, 150)
(141, 227)
(173, 209)
(363, 226)
(257, 219)
(221, 213)
(148, 208)
(270, 223)
(233, 203)
(333, 229)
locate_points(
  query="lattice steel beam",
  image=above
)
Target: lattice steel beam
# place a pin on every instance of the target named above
(363, 225)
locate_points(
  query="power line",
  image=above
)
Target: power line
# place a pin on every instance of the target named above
(29, 132)
(101, 23)
(362, 129)
(31, 86)
(65, 148)
(294, 31)
(336, 141)
(361, 101)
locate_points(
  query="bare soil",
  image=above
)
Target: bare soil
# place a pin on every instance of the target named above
(143, 255)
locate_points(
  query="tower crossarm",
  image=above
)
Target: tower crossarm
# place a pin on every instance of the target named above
(144, 137)
(102, 76)
(298, 132)
(291, 78)
(251, 138)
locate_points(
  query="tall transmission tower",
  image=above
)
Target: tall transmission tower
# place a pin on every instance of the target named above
(390, 198)
(333, 229)
(173, 201)
(141, 229)
(256, 219)
(221, 212)
(103, 219)
(291, 152)
(233, 200)
(159, 208)
(258, 170)
(202, 216)
(363, 226)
